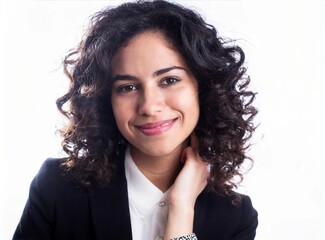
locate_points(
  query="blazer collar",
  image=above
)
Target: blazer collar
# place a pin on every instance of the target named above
(110, 208)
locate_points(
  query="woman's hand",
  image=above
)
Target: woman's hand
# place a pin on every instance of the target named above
(190, 182)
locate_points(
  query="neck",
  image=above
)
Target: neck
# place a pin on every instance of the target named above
(160, 170)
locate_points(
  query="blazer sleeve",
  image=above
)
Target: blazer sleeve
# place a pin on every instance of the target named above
(38, 216)
(247, 227)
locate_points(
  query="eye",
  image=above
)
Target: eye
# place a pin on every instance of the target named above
(169, 81)
(126, 88)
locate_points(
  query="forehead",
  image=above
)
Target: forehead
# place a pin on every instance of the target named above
(150, 49)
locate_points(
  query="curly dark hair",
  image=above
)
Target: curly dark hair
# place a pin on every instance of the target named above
(92, 140)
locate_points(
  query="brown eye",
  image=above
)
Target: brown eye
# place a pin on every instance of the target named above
(126, 88)
(169, 81)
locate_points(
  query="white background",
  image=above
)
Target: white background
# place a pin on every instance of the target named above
(284, 42)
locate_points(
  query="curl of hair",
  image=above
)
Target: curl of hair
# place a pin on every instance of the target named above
(92, 140)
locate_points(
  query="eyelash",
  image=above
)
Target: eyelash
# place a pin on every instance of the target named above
(175, 80)
(126, 88)
(165, 82)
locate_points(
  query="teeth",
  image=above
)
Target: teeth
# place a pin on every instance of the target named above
(166, 123)
(162, 124)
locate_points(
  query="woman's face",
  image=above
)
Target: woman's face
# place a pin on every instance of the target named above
(154, 96)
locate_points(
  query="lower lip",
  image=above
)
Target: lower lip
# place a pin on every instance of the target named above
(158, 129)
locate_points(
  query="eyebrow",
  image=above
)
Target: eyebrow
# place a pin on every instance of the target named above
(155, 74)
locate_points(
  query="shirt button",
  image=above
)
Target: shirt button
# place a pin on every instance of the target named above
(162, 204)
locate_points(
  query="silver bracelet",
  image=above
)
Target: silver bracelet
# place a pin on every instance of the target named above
(188, 237)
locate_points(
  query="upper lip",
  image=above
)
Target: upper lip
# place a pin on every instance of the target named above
(155, 124)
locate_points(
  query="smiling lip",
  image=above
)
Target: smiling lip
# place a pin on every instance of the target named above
(156, 127)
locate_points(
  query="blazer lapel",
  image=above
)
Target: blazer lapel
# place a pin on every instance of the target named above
(200, 213)
(110, 209)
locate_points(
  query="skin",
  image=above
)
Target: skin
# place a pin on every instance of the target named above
(156, 107)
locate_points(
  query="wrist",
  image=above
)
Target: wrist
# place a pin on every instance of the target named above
(181, 211)
(180, 221)
(187, 237)
(181, 202)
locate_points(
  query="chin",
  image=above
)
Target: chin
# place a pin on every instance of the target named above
(159, 151)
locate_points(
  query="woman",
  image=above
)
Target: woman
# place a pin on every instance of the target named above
(159, 118)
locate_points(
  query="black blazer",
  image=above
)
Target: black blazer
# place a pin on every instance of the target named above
(58, 209)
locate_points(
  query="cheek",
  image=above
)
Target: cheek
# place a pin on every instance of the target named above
(118, 112)
(189, 101)
(187, 104)
(123, 110)
(121, 120)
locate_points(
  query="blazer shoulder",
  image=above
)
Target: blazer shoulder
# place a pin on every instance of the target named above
(38, 217)
(228, 217)
(248, 220)
(49, 173)
(51, 164)
(236, 202)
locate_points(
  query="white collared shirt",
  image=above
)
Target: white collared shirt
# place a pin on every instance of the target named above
(147, 204)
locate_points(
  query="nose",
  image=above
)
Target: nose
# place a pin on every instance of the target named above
(151, 101)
